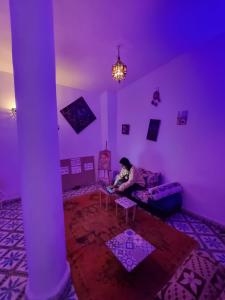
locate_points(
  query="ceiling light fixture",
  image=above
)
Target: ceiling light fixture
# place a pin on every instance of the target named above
(119, 69)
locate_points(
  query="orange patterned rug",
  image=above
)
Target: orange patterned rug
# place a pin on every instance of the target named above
(96, 272)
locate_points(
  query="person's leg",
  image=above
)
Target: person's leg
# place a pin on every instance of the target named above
(127, 193)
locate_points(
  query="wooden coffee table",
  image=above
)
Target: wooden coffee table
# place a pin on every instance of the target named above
(126, 204)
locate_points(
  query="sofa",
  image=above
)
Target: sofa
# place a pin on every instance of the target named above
(161, 200)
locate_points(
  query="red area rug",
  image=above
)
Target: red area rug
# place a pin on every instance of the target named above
(96, 272)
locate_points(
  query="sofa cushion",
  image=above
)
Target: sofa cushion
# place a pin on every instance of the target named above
(141, 195)
(164, 190)
(200, 277)
(151, 179)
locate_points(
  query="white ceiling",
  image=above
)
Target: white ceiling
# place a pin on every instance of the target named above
(151, 32)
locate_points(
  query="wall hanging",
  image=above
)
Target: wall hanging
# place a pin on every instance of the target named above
(153, 130)
(182, 117)
(125, 128)
(78, 114)
(156, 98)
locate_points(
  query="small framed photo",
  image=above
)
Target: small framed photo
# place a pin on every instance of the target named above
(125, 128)
(182, 117)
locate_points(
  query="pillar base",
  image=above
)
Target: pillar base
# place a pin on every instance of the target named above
(55, 294)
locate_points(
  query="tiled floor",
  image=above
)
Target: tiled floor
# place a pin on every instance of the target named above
(13, 267)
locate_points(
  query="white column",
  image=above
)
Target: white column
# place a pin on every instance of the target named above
(35, 90)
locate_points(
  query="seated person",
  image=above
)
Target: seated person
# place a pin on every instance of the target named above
(129, 179)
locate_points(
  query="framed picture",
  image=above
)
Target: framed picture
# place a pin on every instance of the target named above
(153, 130)
(104, 160)
(125, 128)
(78, 114)
(182, 117)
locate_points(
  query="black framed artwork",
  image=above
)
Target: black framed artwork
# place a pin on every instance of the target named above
(125, 129)
(153, 130)
(78, 114)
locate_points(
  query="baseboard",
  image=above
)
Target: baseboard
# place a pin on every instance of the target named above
(204, 219)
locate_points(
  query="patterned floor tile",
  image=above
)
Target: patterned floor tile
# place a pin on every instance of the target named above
(3, 222)
(3, 235)
(201, 228)
(11, 225)
(13, 288)
(3, 252)
(3, 213)
(219, 256)
(22, 267)
(21, 244)
(2, 278)
(182, 226)
(20, 228)
(11, 240)
(212, 242)
(11, 259)
(191, 218)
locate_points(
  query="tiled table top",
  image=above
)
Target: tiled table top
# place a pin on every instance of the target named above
(130, 248)
(125, 202)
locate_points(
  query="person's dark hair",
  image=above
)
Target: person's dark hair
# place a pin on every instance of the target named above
(126, 163)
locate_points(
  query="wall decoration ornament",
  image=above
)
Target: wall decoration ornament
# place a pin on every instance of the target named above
(78, 114)
(125, 129)
(13, 113)
(182, 117)
(153, 130)
(156, 98)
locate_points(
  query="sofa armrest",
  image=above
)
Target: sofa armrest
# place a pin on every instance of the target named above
(164, 190)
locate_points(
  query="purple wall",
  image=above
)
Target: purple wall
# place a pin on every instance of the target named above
(88, 142)
(191, 154)
(9, 173)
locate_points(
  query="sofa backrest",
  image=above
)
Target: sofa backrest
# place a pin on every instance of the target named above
(152, 179)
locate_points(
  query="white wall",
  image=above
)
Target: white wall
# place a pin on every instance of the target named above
(87, 142)
(9, 164)
(191, 154)
(108, 125)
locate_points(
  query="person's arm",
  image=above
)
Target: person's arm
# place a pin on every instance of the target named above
(122, 173)
(130, 181)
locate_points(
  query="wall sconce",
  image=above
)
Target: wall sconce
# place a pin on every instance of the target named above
(13, 113)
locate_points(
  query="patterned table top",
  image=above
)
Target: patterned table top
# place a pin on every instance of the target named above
(130, 248)
(125, 202)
